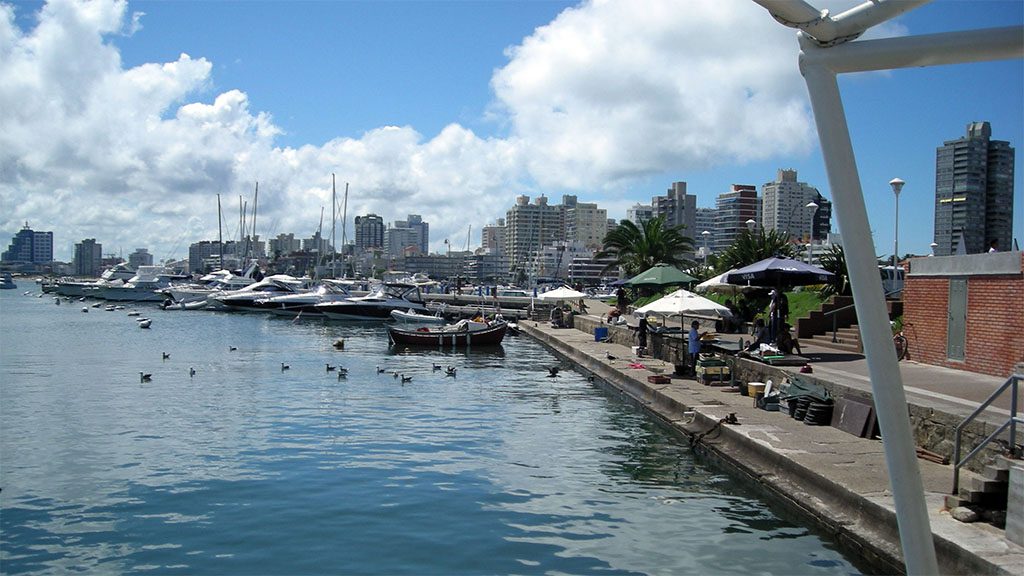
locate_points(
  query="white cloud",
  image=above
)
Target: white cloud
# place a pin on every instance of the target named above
(612, 90)
(607, 92)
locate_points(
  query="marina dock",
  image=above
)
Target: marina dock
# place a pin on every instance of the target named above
(833, 479)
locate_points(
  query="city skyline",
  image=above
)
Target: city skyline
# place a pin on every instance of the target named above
(449, 110)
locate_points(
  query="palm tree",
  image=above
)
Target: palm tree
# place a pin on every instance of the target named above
(835, 262)
(750, 247)
(637, 248)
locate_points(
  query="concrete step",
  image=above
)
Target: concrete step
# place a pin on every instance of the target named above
(826, 342)
(993, 472)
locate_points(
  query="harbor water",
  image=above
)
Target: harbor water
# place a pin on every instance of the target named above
(245, 467)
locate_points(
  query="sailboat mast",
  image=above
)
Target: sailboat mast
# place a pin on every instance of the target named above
(252, 236)
(344, 236)
(334, 220)
(220, 234)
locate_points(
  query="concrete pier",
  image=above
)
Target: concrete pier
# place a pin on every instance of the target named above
(832, 479)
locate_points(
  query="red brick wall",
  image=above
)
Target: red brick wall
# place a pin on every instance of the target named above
(995, 322)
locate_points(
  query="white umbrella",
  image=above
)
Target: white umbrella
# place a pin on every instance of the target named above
(718, 284)
(563, 293)
(684, 303)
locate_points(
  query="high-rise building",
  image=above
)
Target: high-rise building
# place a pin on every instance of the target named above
(29, 246)
(492, 238)
(678, 208)
(706, 221)
(400, 237)
(369, 232)
(973, 192)
(284, 244)
(586, 224)
(784, 205)
(141, 257)
(529, 227)
(88, 258)
(422, 229)
(639, 213)
(734, 208)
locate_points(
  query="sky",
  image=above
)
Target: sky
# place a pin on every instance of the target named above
(123, 121)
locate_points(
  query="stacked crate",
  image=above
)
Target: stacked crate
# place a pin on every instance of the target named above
(712, 370)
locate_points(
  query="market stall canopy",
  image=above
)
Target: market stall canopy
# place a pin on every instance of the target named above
(563, 293)
(779, 272)
(683, 303)
(660, 275)
(718, 284)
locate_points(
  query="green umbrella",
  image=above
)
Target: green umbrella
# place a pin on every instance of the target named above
(660, 276)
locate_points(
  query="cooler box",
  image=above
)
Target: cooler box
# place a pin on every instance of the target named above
(600, 333)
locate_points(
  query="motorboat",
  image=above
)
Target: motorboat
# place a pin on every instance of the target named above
(413, 317)
(7, 282)
(378, 304)
(305, 302)
(245, 299)
(462, 334)
(116, 275)
(145, 286)
(195, 294)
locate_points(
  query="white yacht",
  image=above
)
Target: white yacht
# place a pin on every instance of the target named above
(195, 294)
(245, 298)
(376, 305)
(305, 302)
(117, 275)
(145, 286)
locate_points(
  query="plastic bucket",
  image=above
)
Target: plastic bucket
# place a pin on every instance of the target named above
(600, 333)
(753, 388)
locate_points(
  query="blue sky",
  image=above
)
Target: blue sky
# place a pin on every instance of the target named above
(449, 110)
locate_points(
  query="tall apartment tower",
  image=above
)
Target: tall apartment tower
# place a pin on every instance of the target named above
(141, 257)
(973, 193)
(492, 238)
(529, 227)
(369, 232)
(707, 220)
(678, 208)
(29, 246)
(586, 224)
(639, 213)
(734, 208)
(784, 205)
(422, 231)
(88, 258)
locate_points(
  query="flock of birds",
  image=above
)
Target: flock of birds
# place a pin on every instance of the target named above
(342, 372)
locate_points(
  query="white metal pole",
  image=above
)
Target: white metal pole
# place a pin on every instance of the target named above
(886, 382)
(896, 241)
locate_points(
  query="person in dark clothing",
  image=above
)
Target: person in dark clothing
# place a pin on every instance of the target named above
(620, 299)
(761, 336)
(641, 333)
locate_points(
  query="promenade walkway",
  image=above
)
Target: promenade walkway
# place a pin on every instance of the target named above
(831, 478)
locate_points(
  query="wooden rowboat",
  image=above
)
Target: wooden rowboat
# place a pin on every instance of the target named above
(463, 334)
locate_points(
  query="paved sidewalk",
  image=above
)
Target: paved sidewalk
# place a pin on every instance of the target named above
(835, 479)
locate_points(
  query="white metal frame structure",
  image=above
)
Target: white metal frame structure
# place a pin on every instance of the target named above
(826, 50)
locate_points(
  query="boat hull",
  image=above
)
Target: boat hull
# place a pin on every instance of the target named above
(490, 336)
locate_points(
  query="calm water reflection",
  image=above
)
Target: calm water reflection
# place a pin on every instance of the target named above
(248, 469)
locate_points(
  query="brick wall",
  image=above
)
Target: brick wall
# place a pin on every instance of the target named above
(995, 321)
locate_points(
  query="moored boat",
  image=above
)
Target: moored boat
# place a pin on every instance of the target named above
(462, 334)
(376, 306)
(6, 282)
(413, 317)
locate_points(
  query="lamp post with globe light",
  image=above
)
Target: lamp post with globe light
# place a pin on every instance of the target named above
(897, 186)
(813, 208)
(705, 234)
(750, 224)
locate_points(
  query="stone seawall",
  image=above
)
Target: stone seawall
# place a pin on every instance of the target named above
(933, 429)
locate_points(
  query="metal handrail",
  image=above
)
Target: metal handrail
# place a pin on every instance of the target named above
(1012, 382)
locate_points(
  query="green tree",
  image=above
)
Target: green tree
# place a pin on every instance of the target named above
(750, 247)
(835, 262)
(637, 248)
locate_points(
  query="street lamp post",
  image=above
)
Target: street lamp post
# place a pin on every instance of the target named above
(705, 234)
(813, 207)
(933, 246)
(897, 186)
(750, 224)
